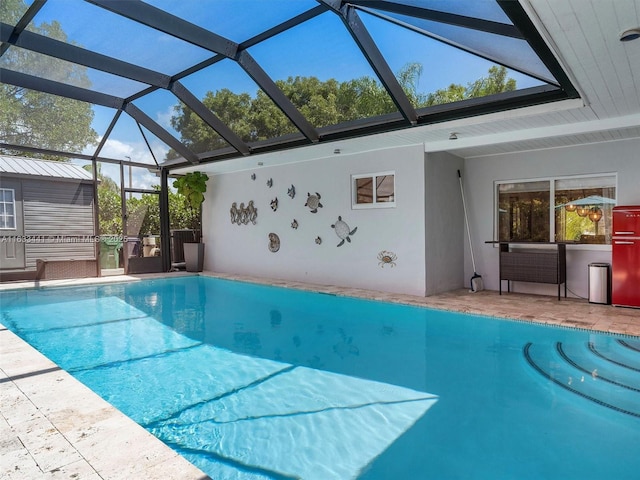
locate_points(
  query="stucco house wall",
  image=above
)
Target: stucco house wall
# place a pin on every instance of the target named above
(243, 249)
(425, 231)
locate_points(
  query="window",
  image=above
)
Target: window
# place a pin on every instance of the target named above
(583, 209)
(567, 209)
(7, 209)
(523, 211)
(373, 190)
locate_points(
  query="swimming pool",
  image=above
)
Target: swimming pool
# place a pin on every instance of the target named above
(251, 382)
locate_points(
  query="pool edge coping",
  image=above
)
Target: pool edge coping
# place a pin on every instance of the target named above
(84, 429)
(353, 292)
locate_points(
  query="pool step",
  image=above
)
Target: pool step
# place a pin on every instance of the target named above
(631, 344)
(608, 375)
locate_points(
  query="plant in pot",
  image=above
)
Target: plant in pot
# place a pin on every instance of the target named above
(193, 186)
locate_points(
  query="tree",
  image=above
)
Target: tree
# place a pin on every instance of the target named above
(362, 98)
(231, 108)
(143, 211)
(37, 119)
(453, 93)
(110, 211)
(322, 103)
(495, 82)
(110, 203)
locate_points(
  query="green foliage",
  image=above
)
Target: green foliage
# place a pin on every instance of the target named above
(495, 82)
(110, 213)
(322, 103)
(37, 119)
(192, 187)
(180, 214)
(143, 213)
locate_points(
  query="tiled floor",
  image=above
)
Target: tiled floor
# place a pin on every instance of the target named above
(52, 427)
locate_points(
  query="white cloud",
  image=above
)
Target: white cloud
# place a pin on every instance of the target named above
(137, 152)
(164, 119)
(144, 178)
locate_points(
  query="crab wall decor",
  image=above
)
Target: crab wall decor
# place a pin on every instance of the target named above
(274, 204)
(343, 231)
(292, 191)
(387, 258)
(313, 202)
(274, 242)
(270, 183)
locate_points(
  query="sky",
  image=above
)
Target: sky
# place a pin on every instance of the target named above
(321, 47)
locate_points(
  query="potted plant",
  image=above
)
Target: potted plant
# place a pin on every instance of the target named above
(193, 186)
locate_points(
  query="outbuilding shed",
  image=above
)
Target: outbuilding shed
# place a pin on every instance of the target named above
(47, 220)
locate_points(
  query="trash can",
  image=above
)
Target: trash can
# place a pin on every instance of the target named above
(600, 283)
(110, 246)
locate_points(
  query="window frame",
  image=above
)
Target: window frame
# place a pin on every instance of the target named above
(552, 180)
(13, 204)
(374, 204)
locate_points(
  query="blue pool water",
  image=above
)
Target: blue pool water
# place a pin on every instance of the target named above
(257, 382)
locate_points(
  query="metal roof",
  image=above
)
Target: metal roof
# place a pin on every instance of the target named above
(42, 168)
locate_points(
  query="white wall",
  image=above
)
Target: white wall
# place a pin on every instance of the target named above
(619, 157)
(444, 224)
(244, 249)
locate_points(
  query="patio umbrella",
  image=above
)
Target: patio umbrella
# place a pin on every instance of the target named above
(591, 200)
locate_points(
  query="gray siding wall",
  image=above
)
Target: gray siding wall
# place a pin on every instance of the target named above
(619, 157)
(57, 208)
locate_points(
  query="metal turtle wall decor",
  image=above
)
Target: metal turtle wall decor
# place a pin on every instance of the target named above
(343, 231)
(313, 202)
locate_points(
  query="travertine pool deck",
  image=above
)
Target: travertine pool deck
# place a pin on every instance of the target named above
(53, 427)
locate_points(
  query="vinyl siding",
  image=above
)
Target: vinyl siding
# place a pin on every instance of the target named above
(58, 209)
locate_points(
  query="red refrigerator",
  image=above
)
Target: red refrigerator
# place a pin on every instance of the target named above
(625, 287)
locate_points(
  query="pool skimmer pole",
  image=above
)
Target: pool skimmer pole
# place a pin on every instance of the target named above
(476, 280)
